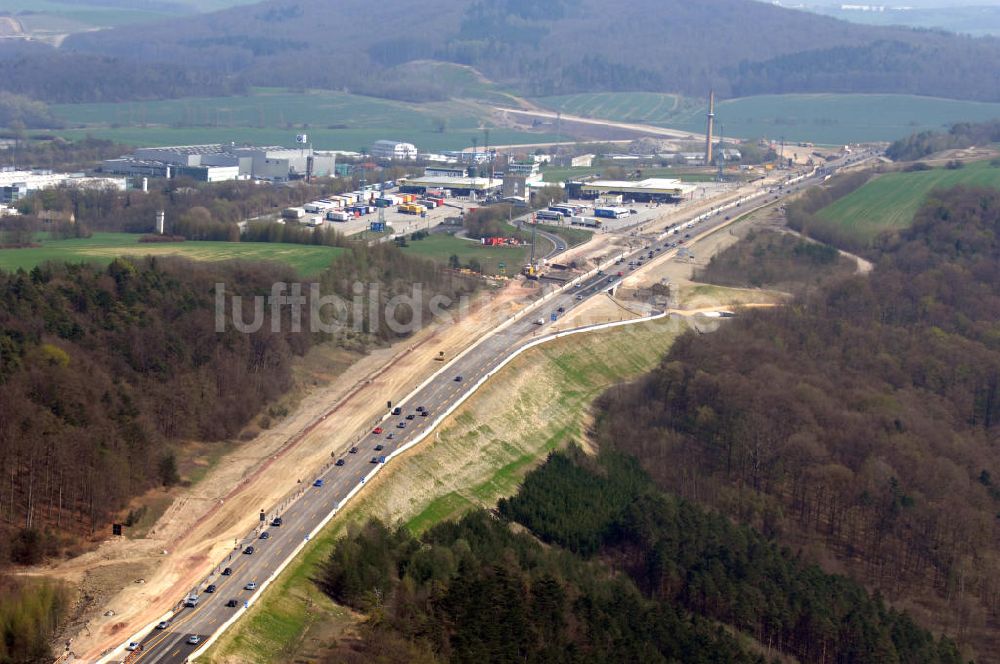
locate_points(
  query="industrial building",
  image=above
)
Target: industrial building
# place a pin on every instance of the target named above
(15, 185)
(641, 190)
(446, 171)
(459, 186)
(571, 161)
(528, 169)
(394, 150)
(217, 162)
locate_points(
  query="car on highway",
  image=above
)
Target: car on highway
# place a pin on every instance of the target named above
(397, 410)
(191, 601)
(401, 425)
(340, 462)
(379, 448)
(353, 450)
(277, 521)
(610, 279)
(210, 588)
(231, 603)
(252, 585)
(410, 416)
(227, 572)
(194, 639)
(421, 409)
(579, 297)
(458, 379)
(424, 413)
(163, 624)
(374, 460)
(132, 646)
(248, 551)
(377, 431)
(561, 309)
(390, 436)
(265, 535)
(318, 482)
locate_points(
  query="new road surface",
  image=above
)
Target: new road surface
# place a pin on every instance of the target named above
(255, 558)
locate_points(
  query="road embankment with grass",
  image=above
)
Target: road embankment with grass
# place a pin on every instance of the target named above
(889, 202)
(538, 403)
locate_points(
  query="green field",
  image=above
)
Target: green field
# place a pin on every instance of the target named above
(889, 201)
(332, 120)
(440, 246)
(102, 248)
(818, 118)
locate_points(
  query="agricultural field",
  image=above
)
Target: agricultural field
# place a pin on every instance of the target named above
(439, 247)
(332, 120)
(889, 201)
(832, 119)
(102, 248)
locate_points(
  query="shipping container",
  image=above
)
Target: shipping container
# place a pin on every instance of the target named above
(293, 213)
(338, 215)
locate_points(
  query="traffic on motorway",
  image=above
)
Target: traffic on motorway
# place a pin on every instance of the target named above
(235, 580)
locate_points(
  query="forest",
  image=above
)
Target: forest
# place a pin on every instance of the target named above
(959, 135)
(535, 49)
(626, 573)
(859, 423)
(104, 369)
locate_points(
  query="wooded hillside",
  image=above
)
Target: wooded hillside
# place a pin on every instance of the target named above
(627, 574)
(861, 423)
(739, 47)
(103, 369)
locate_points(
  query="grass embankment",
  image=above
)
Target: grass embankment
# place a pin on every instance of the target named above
(890, 201)
(571, 235)
(537, 404)
(439, 247)
(102, 248)
(819, 118)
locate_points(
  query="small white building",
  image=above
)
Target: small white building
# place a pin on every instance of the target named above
(394, 150)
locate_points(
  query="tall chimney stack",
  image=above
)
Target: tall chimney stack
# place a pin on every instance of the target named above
(711, 126)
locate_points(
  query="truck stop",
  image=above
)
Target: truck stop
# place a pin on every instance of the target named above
(650, 189)
(459, 186)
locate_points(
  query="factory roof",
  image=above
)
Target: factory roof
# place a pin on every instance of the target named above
(209, 148)
(647, 186)
(453, 182)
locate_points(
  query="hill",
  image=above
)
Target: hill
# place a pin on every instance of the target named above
(740, 47)
(859, 425)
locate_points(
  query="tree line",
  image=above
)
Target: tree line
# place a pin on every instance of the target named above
(864, 415)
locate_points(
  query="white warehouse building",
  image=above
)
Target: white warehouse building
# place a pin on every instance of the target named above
(394, 150)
